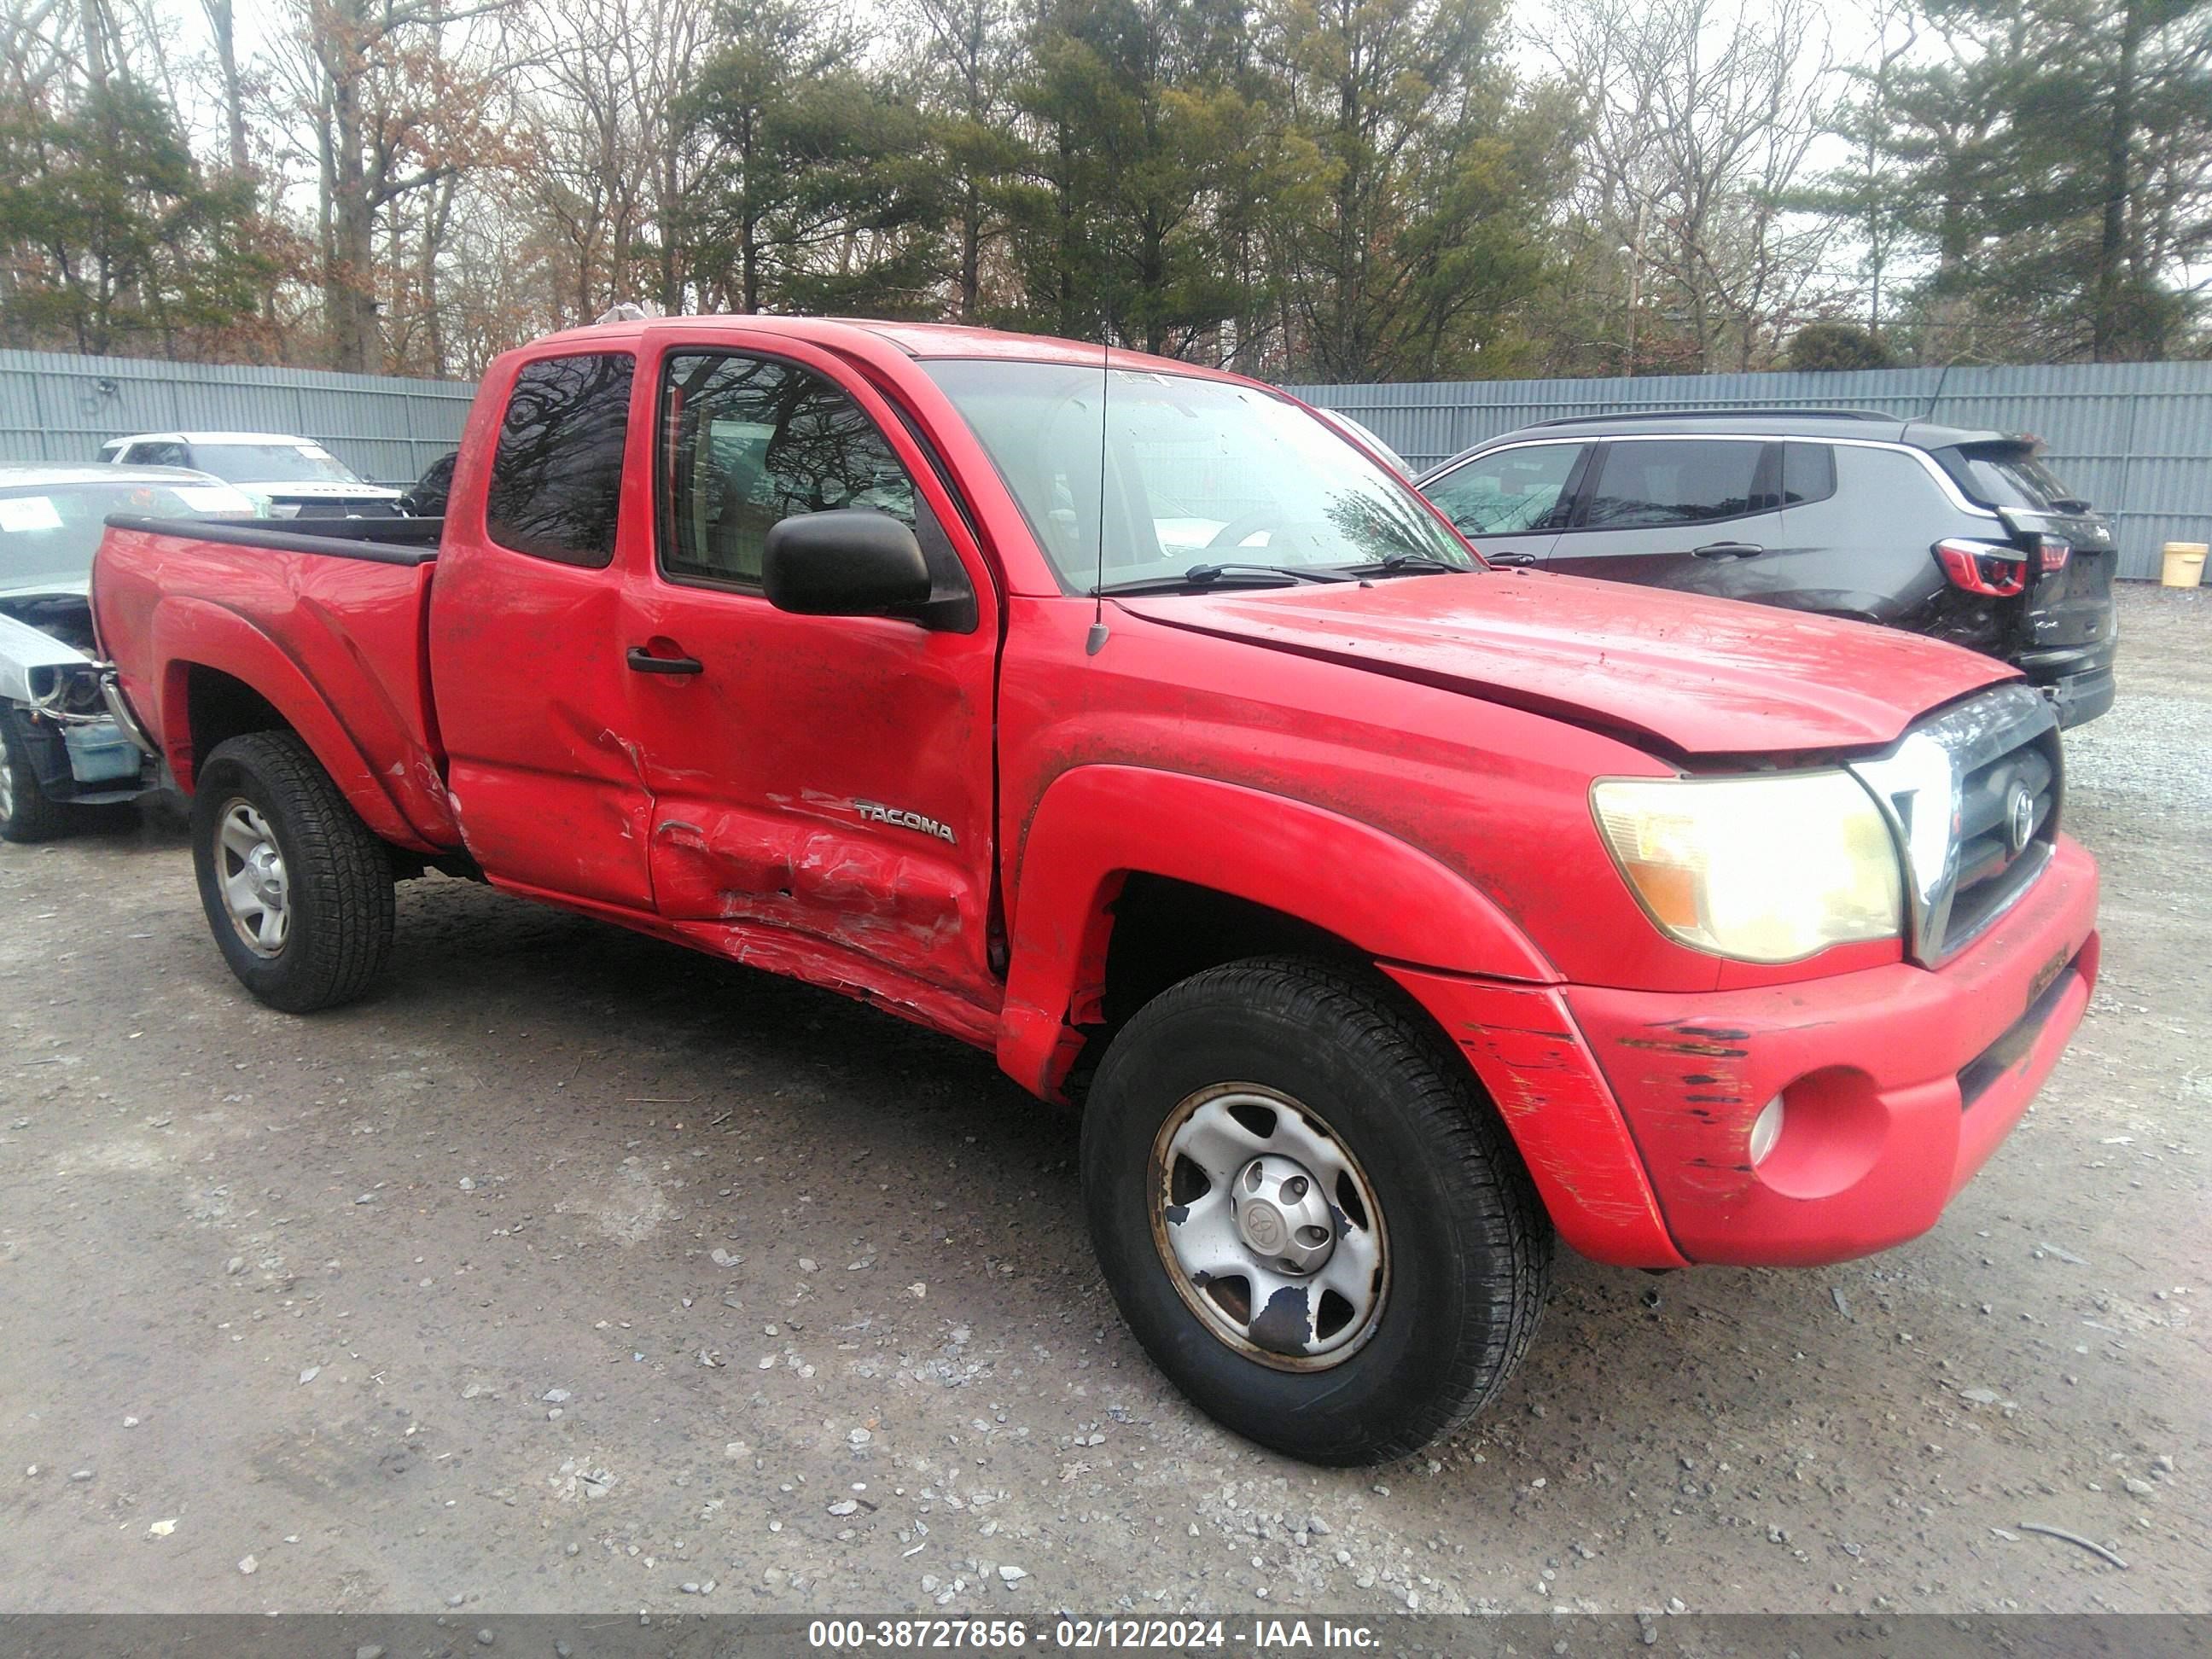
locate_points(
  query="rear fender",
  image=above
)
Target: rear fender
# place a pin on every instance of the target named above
(1098, 825)
(194, 633)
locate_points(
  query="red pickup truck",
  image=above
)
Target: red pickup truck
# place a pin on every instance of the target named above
(1386, 913)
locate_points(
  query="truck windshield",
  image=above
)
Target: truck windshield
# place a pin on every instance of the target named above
(48, 532)
(1194, 472)
(299, 463)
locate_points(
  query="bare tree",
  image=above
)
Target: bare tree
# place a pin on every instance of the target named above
(223, 27)
(1701, 115)
(392, 97)
(610, 157)
(32, 50)
(973, 45)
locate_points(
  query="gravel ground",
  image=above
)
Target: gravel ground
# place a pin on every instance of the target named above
(573, 1271)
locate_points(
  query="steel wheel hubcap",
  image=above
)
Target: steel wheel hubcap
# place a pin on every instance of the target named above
(7, 790)
(1267, 1227)
(250, 867)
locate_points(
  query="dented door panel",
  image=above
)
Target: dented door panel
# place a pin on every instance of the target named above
(545, 783)
(824, 776)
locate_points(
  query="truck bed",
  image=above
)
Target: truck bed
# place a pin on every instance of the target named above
(328, 626)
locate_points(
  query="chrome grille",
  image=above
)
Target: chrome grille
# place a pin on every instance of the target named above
(1972, 795)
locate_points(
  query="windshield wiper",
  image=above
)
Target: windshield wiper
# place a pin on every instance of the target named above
(1397, 562)
(1229, 575)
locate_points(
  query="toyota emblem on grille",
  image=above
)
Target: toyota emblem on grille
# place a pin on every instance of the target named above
(2019, 819)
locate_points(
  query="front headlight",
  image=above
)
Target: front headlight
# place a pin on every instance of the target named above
(1761, 869)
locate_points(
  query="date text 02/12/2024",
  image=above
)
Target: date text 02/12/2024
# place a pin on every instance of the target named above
(1079, 1634)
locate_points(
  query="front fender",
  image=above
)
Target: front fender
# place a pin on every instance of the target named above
(190, 633)
(1096, 826)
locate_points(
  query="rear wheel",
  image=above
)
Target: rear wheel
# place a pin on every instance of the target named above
(1311, 1219)
(26, 812)
(296, 887)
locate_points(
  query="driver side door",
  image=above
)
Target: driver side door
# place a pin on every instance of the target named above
(821, 784)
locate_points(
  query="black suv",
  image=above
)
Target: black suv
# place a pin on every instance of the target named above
(1963, 536)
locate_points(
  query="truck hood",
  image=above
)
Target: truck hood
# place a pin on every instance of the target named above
(1695, 675)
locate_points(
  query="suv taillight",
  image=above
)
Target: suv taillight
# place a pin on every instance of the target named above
(1990, 567)
(2055, 553)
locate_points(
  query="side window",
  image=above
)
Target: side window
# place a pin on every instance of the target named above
(747, 442)
(1509, 490)
(157, 454)
(1671, 481)
(1809, 474)
(556, 476)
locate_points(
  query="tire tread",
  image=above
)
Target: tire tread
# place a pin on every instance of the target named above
(1438, 1093)
(346, 870)
(37, 816)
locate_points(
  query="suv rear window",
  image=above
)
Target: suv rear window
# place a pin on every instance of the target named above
(2006, 474)
(1809, 473)
(556, 477)
(1646, 483)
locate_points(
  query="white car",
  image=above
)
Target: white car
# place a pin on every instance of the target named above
(294, 477)
(1360, 432)
(61, 745)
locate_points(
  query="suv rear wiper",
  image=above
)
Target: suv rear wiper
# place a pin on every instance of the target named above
(1231, 575)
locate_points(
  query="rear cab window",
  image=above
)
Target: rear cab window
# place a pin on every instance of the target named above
(556, 487)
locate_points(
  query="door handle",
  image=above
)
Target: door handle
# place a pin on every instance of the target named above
(1728, 551)
(646, 663)
(1510, 558)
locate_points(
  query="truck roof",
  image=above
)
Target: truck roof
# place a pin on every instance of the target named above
(917, 340)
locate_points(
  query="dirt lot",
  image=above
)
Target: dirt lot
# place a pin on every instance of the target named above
(572, 1271)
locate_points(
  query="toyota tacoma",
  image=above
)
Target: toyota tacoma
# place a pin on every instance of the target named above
(1389, 916)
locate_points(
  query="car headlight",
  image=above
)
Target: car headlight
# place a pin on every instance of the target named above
(1761, 869)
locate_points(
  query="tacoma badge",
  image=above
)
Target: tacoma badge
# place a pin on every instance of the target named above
(880, 813)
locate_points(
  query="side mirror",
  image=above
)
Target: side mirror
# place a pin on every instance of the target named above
(851, 562)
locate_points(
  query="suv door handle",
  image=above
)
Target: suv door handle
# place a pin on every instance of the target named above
(1509, 558)
(1728, 551)
(646, 663)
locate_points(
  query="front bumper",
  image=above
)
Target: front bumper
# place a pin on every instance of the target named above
(1633, 1109)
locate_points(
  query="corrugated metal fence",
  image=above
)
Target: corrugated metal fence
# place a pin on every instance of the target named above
(2135, 438)
(54, 407)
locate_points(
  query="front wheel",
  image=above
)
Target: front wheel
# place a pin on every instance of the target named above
(296, 887)
(1312, 1220)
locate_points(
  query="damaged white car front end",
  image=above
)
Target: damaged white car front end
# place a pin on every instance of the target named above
(64, 747)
